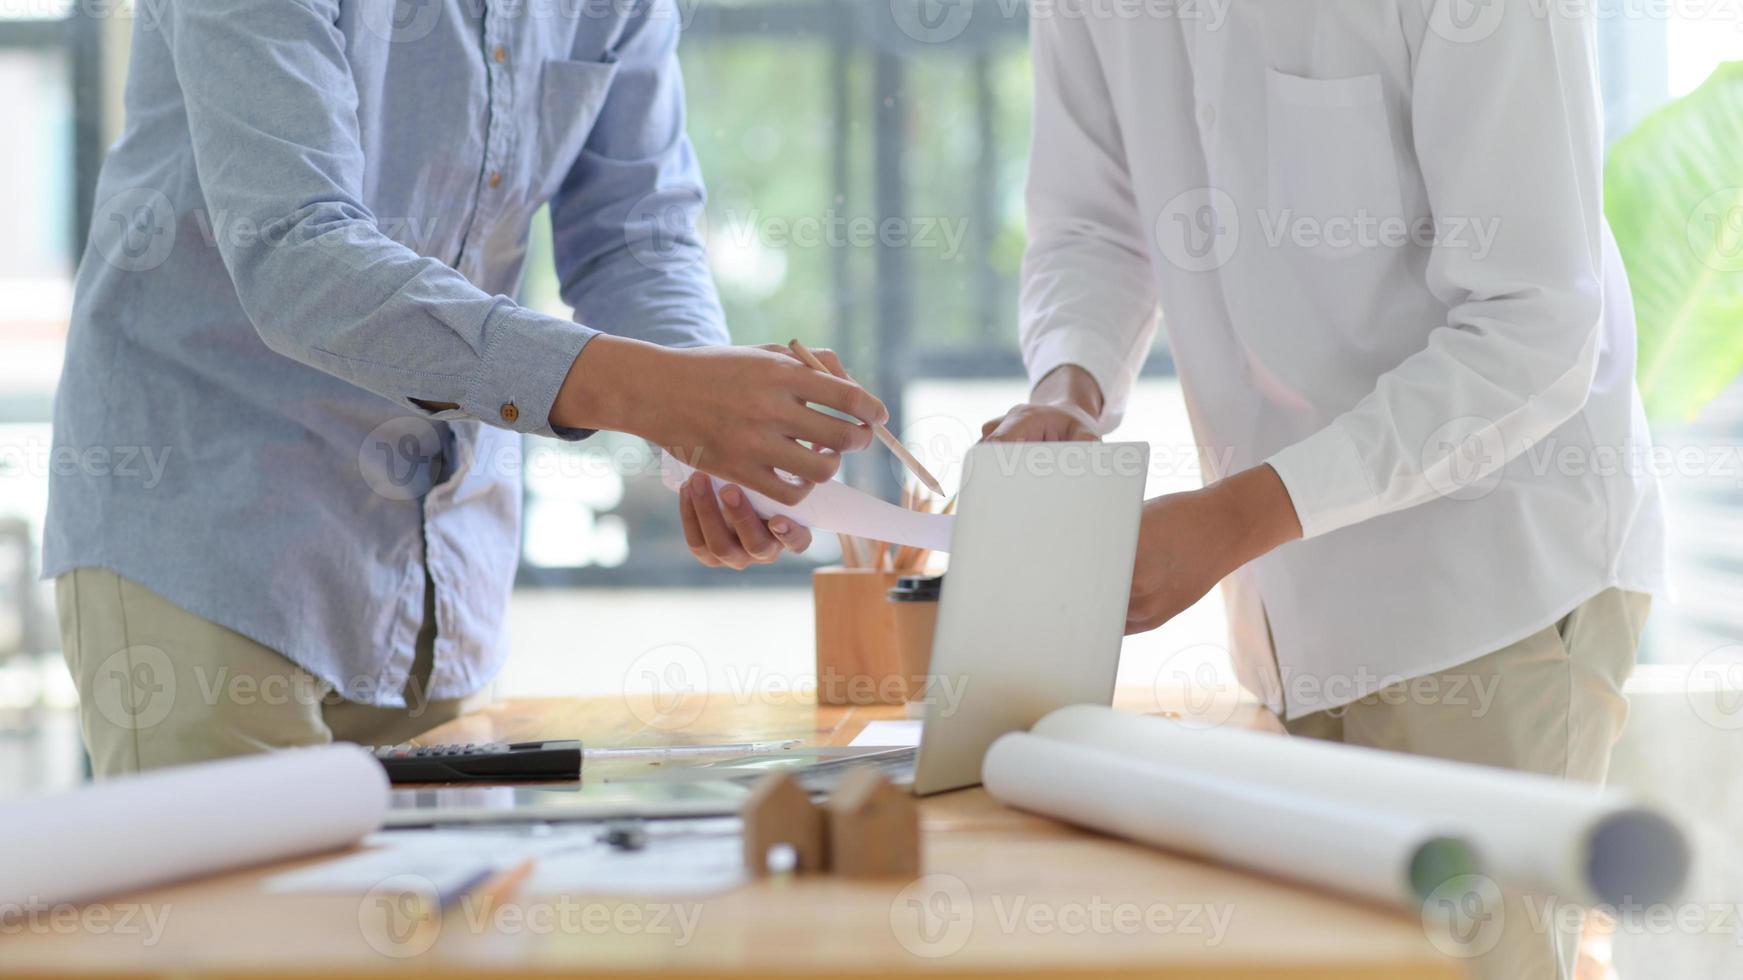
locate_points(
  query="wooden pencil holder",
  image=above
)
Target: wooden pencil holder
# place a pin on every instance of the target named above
(857, 657)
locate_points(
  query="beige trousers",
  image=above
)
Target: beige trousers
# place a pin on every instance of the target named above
(159, 686)
(1552, 704)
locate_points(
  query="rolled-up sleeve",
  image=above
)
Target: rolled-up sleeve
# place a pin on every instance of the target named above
(1088, 294)
(272, 116)
(1507, 131)
(630, 260)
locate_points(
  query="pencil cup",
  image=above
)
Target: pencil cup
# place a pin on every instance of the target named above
(914, 605)
(857, 661)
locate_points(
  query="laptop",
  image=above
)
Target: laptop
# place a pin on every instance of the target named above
(1031, 618)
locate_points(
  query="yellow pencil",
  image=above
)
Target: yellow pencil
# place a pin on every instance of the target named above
(883, 434)
(501, 886)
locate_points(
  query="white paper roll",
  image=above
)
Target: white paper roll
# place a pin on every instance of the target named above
(1381, 856)
(187, 821)
(1580, 843)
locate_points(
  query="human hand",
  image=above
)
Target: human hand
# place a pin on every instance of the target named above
(1062, 408)
(740, 413)
(727, 532)
(1188, 542)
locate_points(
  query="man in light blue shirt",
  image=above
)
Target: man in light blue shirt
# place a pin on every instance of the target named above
(296, 297)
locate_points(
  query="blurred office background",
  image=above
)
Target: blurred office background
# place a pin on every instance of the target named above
(865, 160)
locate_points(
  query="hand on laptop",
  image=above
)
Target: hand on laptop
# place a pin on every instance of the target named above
(1188, 542)
(1062, 408)
(728, 533)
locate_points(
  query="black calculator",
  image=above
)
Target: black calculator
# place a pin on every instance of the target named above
(494, 762)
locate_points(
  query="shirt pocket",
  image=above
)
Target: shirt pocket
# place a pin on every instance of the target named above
(1333, 169)
(571, 94)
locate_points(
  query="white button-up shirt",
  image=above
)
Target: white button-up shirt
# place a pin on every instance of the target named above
(1374, 230)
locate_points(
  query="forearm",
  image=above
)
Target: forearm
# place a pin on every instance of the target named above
(1258, 512)
(607, 387)
(1069, 385)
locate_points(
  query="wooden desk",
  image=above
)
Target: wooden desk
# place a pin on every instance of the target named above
(1004, 893)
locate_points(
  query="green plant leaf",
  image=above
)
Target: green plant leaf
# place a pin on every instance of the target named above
(1673, 191)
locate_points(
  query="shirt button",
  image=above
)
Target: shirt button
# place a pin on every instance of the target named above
(509, 412)
(500, 54)
(1207, 114)
(495, 179)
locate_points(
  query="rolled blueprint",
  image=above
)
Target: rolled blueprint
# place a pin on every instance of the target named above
(835, 506)
(1380, 856)
(1580, 843)
(187, 821)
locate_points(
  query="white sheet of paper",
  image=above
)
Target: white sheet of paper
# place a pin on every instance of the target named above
(682, 857)
(679, 865)
(898, 734)
(837, 507)
(447, 859)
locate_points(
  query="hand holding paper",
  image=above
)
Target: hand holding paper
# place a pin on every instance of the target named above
(723, 530)
(835, 506)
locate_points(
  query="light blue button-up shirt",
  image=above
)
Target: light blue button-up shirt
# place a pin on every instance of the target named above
(294, 379)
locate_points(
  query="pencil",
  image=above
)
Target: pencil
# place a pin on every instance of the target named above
(501, 886)
(883, 434)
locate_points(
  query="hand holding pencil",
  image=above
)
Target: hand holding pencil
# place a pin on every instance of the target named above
(884, 435)
(725, 531)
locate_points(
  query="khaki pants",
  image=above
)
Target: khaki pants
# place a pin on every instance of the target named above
(1551, 703)
(159, 686)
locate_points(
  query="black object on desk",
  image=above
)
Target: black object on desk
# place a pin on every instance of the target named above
(494, 762)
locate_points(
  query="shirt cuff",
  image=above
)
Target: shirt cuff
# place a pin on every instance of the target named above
(1326, 481)
(1085, 349)
(526, 357)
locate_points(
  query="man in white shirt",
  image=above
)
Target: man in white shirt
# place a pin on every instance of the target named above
(1374, 230)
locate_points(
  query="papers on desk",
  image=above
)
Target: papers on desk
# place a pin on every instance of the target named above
(187, 821)
(681, 857)
(835, 506)
(1384, 825)
(894, 734)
